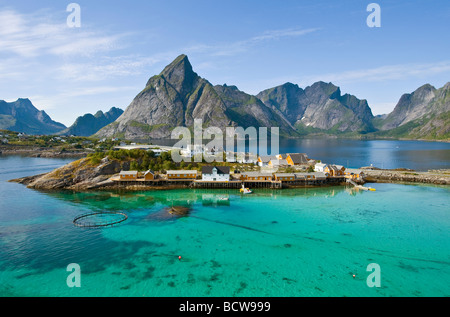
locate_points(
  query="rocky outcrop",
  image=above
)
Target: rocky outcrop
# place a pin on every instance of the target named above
(78, 175)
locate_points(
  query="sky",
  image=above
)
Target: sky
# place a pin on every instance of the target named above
(106, 61)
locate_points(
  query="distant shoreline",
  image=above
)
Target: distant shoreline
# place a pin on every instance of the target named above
(32, 151)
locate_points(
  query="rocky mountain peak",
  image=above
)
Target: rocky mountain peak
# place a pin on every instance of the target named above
(179, 74)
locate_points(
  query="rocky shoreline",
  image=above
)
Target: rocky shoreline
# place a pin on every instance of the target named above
(82, 175)
(41, 152)
(438, 177)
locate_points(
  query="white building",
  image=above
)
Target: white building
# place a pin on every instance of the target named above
(216, 173)
(191, 151)
(246, 158)
(320, 167)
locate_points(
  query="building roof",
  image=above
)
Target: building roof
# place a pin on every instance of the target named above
(283, 156)
(267, 158)
(315, 174)
(257, 174)
(319, 174)
(321, 164)
(299, 158)
(182, 172)
(336, 167)
(284, 174)
(149, 172)
(220, 169)
(278, 162)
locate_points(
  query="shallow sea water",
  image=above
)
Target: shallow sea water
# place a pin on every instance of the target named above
(295, 242)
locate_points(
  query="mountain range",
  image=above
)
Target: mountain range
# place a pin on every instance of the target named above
(22, 116)
(89, 124)
(178, 95)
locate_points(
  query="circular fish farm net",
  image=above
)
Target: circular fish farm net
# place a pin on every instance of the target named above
(99, 219)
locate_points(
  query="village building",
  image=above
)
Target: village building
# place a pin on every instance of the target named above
(297, 159)
(149, 175)
(277, 163)
(311, 176)
(285, 177)
(216, 173)
(264, 160)
(256, 176)
(246, 158)
(355, 174)
(319, 167)
(128, 175)
(335, 170)
(181, 174)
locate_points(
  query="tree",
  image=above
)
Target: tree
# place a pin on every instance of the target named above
(168, 165)
(134, 166)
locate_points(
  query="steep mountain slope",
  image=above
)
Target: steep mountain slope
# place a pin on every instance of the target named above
(177, 96)
(319, 106)
(89, 124)
(22, 116)
(410, 107)
(423, 114)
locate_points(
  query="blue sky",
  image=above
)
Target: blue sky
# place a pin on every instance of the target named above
(254, 45)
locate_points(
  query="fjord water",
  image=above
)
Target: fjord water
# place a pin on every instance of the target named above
(296, 242)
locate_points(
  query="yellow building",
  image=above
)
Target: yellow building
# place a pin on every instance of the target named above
(335, 170)
(285, 177)
(256, 176)
(297, 159)
(128, 175)
(354, 173)
(182, 174)
(149, 175)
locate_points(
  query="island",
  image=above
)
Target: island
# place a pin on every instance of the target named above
(150, 167)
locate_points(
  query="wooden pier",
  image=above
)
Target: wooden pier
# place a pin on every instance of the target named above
(233, 184)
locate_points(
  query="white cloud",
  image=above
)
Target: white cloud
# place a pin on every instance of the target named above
(108, 67)
(229, 49)
(31, 36)
(58, 100)
(383, 73)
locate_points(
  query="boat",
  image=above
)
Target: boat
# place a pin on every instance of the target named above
(365, 188)
(245, 190)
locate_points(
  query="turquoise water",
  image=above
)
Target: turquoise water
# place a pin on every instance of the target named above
(297, 242)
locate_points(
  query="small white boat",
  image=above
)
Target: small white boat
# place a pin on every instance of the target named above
(245, 190)
(365, 188)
